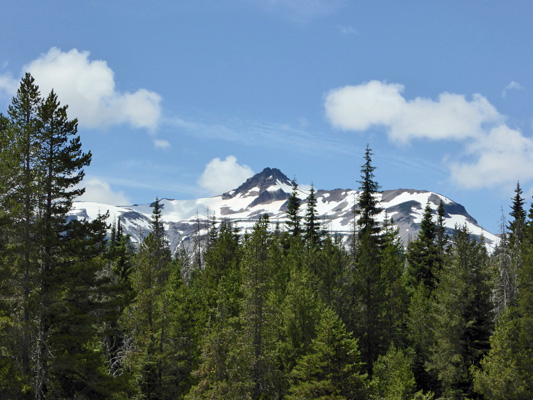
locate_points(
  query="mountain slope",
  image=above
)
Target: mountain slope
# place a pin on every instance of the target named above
(267, 193)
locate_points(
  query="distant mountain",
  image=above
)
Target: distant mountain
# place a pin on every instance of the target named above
(267, 193)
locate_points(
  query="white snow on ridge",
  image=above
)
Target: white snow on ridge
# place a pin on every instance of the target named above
(334, 208)
(420, 197)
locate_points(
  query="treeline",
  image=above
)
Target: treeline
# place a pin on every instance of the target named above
(290, 313)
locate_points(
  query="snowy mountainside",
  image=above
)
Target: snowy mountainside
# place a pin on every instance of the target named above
(267, 193)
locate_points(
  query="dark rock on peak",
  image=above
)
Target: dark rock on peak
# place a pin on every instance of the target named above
(260, 183)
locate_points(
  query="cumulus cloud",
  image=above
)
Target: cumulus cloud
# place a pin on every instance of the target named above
(99, 191)
(161, 144)
(493, 153)
(221, 176)
(375, 103)
(88, 87)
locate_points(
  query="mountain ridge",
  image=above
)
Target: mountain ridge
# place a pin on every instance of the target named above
(267, 193)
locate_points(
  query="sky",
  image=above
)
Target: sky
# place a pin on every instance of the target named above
(186, 99)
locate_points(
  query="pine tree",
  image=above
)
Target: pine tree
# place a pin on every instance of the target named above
(420, 328)
(58, 263)
(332, 261)
(366, 285)
(507, 370)
(333, 368)
(147, 317)
(181, 348)
(441, 236)
(463, 316)
(395, 296)
(300, 311)
(120, 254)
(393, 378)
(21, 196)
(257, 317)
(312, 223)
(518, 214)
(293, 208)
(423, 253)
(501, 374)
(215, 305)
(70, 264)
(368, 203)
(369, 291)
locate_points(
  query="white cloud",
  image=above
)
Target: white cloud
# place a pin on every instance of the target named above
(99, 191)
(88, 87)
(8, 84)
(511, 86)
(221, 176)
(161, 144)
(493, 153)
(380, 104)
(501, 156)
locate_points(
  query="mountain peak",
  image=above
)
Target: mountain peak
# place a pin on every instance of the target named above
(270, 179)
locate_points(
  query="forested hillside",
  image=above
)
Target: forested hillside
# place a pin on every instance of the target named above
(289, 313)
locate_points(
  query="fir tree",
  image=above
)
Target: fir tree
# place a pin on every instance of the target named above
(368, 203)
(147, 317)
(312, 223)
(333, 368)
(300, 312)
(58, 262)
(332, 261)
(21, 196)
(258, 330)
(60, 170)
(393, 378)
(441, 238)
(501, 374)
(367, 281)
(423, 253)
(395, 297)
(293, 208)
(463, 316)
(518, 214)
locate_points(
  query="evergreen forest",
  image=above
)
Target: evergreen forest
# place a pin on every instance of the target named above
(285, 313)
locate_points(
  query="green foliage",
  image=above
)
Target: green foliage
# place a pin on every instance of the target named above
(463, 316)
(423, 254)
(501, 374)
(395, 296)
(332, 369)
(312, 229)
(393, 378)
(518, 215)
(331, 261)
(420, 327)
(147, 317)
(257, 317)
(300, 313)
(368, 200)
(293, 209)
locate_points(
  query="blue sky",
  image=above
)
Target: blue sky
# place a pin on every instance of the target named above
(185, 99)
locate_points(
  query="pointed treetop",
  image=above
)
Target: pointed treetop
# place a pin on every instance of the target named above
(293, 209)
(368, 200)
(518, 215)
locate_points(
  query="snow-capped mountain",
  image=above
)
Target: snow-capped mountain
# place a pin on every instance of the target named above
(267, 193)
